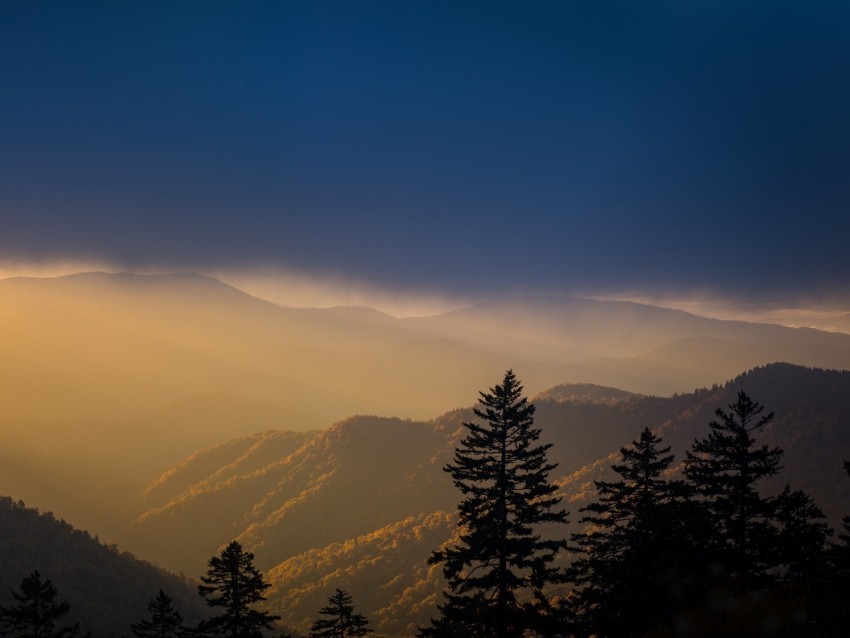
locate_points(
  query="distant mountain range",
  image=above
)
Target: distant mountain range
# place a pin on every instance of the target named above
(362, 504)
(144, 369)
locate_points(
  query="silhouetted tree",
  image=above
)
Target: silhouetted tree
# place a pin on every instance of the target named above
(497, 571)
(165, 620)
(636, 555)
(842, 549)
(36, 611)
(341, 621)
(833, 612)
(234, 584)
(803, 535)
(725, 470)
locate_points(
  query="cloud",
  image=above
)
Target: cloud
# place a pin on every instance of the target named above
(299, 289)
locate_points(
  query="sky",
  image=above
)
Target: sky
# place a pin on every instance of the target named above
(461, 149)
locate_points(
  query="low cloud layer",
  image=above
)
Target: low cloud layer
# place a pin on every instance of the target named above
(448, 150)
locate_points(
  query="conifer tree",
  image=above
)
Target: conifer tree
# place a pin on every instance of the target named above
(498, 569)
(635, 555)
(803, 535)
(36, 611)
(341, 621)
(844, 536)
(835, 614)
(234, 584)
(165, 620)
(840, 551)
(725, 470)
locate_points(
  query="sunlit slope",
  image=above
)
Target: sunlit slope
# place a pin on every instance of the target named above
(343, 482)
(384, 570)
(362, 504)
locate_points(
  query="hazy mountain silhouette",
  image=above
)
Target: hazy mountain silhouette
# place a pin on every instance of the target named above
(566, 329)
(361, 504)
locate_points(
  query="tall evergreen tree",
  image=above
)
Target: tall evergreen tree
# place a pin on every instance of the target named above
(725, 470)
(634, 557)
(498, 570)
(234, 584)
(165, 620)
(36, 611)
(341, 621)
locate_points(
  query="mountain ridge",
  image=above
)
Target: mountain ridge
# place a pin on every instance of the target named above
(307, 527)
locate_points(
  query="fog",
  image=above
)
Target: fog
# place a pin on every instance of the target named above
(147, 368)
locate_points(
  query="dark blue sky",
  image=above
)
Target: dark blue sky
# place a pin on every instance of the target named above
(463, 146)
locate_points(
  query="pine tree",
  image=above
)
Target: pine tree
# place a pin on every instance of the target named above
(234, 584)
(803, 535)
(844, 536)
(840, 551)
(834, 616)
(36, 611)
(165, 620)
(341, 621)
(636, 554)
(498, 570)
(725, 470)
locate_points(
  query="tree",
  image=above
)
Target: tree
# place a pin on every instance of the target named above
(342, 622)
(36, 611)
(834, 616)
(165, 620)
(234, 584)
(842, 551)
(637, 552)
(498, 569)
(803, 534)
(725, 470)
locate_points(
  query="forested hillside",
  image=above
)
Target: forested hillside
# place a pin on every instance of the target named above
(107, 589)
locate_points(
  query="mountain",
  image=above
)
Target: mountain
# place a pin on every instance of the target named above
(583, 393)
(301, 499)
(110, 379)
(107, 590)
(362, 504)
(571, 329)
